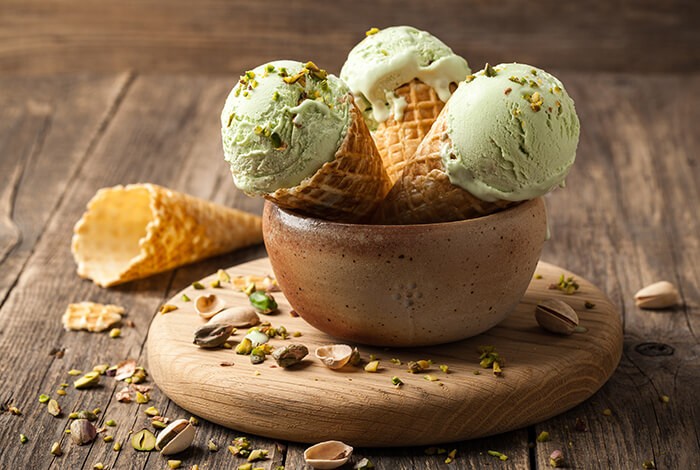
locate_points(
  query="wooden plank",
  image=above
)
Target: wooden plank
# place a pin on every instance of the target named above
(222, 36)
(637, 182)
(49, 126)
(150, 138)
(628, 216)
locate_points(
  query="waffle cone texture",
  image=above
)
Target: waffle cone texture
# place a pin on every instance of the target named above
(397, 141)
(134, 231)
(424, 194)
(349, 188)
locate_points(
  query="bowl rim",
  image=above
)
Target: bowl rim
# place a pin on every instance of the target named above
(523, 206)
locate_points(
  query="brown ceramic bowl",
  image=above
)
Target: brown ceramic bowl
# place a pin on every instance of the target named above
(405, 285)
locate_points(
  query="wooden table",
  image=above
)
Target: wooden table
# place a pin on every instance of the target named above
(628, 217)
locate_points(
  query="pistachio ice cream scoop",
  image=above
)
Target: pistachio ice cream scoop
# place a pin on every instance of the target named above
(513, 133)
(280, 123)
(288, 130)
(401, 78)
(391, 57)
(509, 133)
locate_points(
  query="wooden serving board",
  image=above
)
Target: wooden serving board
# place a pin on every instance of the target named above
(544, 374)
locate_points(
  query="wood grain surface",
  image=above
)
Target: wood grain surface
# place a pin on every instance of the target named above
(544, 374)
(216, 36)
(628, 217)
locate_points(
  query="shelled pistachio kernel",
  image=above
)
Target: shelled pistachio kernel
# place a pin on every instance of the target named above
(152, 411)
(56, 449)
(88, 380)
(99, 466)
(143, 441)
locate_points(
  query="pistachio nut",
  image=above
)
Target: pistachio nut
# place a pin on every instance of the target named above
(556, 316)
(328, 455)
(237, 317)
(212, 335)
(290, 354)
(143, 441)
(82, 431)
(262, 301)
(56, 449)
(661, 294)
(244, 347)
(176, 437)
(257, 454)
(88, 380)
(209, 305)
(53, 408)
(334, 356)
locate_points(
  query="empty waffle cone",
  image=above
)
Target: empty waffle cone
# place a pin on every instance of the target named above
(397, 141)
(424, 194)
(131, 232)
(349, 188)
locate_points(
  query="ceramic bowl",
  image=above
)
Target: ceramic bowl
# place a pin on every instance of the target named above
(405, 285)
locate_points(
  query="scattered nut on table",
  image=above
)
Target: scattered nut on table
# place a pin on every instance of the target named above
(661, 294)
(176, 437)
(556, 316)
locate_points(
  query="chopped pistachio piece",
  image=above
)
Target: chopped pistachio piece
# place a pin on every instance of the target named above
(56, 449)
(664, 399)
(451, 456)
(167, 308)
(152, 411)
(185, 298)
(257, 454)
(371, 31)
(99, 466)
(117, 447)
(212, 446)
(197, 285)
(494, 453)
(174, 464)
(431, 378)
(108, 438)
(75, 372)
(88, 380)
(444, 368)
(110, 422)
(44, 398)
(396, 381)
(61, 392)
(543, 436)
(262, 301)
(115, 333)
(372, 366)
(142, 398)
(216, 284)
(53, 408)
(23, 439)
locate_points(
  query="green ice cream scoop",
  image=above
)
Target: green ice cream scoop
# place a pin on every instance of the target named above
(513, 133)
(281, 123)
(391, 57)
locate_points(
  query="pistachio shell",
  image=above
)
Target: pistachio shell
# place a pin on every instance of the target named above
(328, 454)
(237, 317)
(556, 316)
(208, 305)
(661, 294)
(334, 356)
(176, 437)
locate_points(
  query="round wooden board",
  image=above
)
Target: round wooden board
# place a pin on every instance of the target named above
(544, 374)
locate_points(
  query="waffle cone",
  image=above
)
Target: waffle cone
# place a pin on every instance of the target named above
(424, 193)
(397, 141)
(349, 188)
(142, 229)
